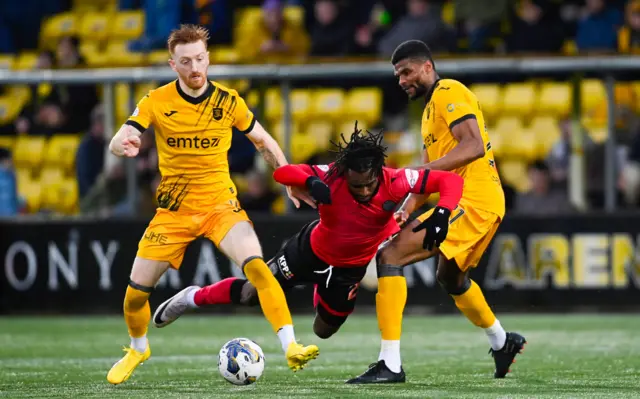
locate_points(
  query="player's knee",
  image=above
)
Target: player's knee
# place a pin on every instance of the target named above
(322, 329)
(385, 269)
(452, 284)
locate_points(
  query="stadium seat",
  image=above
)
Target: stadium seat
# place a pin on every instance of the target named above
(598, 133)
(253, 99)
(519, 99)
(29, 151)
(364, 104)
(523, 145)
(592, 93)
(94, 53)
(31, 191)
(300, 105)
(127, 25)
(547, 133)
(141, 90)
(346, 127)
(514, 172)
(6, 61)
(507, 128)
(278, 130)
(9, 110)
(273, 104)
(94, 26)
(61, 151)
(25, 61)
(490, 97)
(20, 94)
(7, 142)
(119, 54)
(122, 107)
(158, 57)
(67, 197)
(55, 27)
(328, 103)
(322, 131)
(223, 55)
(303, 147)
(555, 99)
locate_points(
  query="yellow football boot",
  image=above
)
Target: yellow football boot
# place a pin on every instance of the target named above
(298, 356)
(122, 370)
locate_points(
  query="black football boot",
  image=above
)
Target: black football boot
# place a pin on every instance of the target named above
(379, 373)
(507, 355)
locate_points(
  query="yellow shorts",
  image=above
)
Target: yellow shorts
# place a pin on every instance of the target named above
(470, 232)
(168, 234)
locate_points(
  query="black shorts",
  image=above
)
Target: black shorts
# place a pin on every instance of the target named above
(295, 264)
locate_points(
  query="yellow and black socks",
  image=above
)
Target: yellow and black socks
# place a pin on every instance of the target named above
(272, 299)
(390, 301)
(475, 307)
(137, 314)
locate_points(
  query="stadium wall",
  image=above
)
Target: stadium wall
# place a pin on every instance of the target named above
(534, 264)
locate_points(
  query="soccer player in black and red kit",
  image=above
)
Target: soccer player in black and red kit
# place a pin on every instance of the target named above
(356, 197)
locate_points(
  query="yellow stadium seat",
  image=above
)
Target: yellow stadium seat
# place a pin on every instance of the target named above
(514, 172)
(241, 85)
(592, 93)
(278, 207)
(364, 105)
(25, 61)
(120, 55)
(223, 55)
(57, 26)
(253, 99)
(277, 130)
(7, 142)
(303, 147)
(31, 191)
(449, 13)
(141, 90)
(68, 196)
(519, 99)
(94, 52)
(29, 151)
(598, 133)
(322, 131)
(158, 57)
(328, 103)
(122, 108)
(346, 127)
(23, 176)
(507, 128)
(555, 99)
(523, 145)
(490, 97)
(6, 61)
(127, 25)
(50, 175)
(636, 92)
(273, 106)
(547, 133)
(94, 26)
(61, 151)
(300, 104)
(20, 94)
(9, 110)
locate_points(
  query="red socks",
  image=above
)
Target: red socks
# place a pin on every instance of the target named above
(218, 293)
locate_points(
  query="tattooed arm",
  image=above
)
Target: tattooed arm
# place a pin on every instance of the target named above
(273, 155)
(267, 146)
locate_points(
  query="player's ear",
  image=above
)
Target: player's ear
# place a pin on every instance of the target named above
(172, 64)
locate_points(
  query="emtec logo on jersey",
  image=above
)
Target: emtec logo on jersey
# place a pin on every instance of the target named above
(195, 142)
(284, 268)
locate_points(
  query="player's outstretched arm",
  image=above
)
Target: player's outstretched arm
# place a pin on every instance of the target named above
(470, 147)
(303, 176)
(126, 142)
(448, 184)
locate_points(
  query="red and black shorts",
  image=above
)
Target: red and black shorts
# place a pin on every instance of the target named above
(295, 264)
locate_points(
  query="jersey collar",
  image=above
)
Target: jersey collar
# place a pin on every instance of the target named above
(427, 98)
(195, 100)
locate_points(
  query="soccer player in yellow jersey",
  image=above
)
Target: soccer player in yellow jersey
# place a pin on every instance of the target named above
(455, 139)
(193, 120)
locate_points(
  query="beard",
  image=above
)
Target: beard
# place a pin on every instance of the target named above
(194, 80)
(419, 91)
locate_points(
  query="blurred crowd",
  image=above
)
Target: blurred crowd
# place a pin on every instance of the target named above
(331, 28)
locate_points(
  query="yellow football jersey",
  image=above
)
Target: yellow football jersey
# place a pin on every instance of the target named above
(193, 136)
(449, 103)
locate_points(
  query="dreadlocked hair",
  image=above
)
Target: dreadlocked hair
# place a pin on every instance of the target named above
(359, 153)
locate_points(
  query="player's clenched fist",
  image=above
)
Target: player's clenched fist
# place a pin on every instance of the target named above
(131, 145)
(125, 143)
(435, 228)
(318, 190)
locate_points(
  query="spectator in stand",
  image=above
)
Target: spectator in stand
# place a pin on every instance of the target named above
(422, 22)
(597, 30)
(535, 30)
(161, 16)
(542, 199)
(629, 34)
(9, 202)
(332, 31)
(91, 152)
(258, 196)
(217, 17)
(479, 21)
(276, 37)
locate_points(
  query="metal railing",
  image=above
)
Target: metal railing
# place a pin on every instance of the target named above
(607, 67)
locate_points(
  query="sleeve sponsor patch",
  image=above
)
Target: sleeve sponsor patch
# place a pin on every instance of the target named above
(136, 112)
(412, 176)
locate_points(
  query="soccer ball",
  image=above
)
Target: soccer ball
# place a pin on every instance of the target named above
(241, 361)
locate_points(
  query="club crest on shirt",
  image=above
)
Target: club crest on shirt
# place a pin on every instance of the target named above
(217, 113)
(324, 168)
(412, 176)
